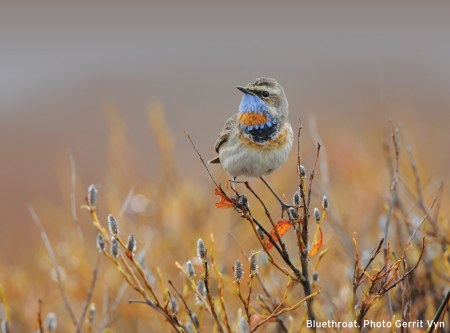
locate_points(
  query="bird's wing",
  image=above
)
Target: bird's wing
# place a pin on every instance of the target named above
(223, 136)
(225, 132)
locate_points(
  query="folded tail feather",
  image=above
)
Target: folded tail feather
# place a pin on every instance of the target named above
(214, 160)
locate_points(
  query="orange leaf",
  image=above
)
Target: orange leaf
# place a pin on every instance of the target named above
(317, 243)
(224, 201)
(281, 227)
(256, 319)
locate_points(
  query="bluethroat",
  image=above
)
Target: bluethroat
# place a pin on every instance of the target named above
(257, 140)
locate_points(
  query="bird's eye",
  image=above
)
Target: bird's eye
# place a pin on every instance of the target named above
(265, 94)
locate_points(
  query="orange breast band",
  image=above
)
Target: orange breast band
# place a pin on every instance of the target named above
(252, 118)
(278, 142)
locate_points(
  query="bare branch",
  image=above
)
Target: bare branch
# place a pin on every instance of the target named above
(90, 291)
(52, 256)
(287, 309)
(440, 311)
(202, 160)
(126, 202)
(394, 182)
(186, 306)
(424, 218)
(408, 272)
(73, 203)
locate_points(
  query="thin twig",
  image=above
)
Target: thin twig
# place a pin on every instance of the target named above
(420, 197)
(73, 203)
(119, 296)
(39, 327)
(52, 256)
(302, 237)
(406, 296)
(186, 306)
(282, 251)
(311, 176)
(244, 303)
(202, 160)
(209, 296)
(416, 174)
(395, 139)
(249, 217)
(381, 275)
(266, 210)
(372, 258)
(438, 205)
(287, 309)
(219, 284)
(408, 272)
(394, 182)
(270, 219)
(126, 202)
(263, 287)
(108, 315)
(336, 224)
(424, 218)
(283, 205)
(90, 291)
(440, 311)
(194, 287)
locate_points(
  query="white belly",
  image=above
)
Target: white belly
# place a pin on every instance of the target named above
(238, 159)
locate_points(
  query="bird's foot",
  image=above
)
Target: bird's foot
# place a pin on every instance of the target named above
(241, 202)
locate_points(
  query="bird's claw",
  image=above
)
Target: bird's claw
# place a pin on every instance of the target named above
(241, 202)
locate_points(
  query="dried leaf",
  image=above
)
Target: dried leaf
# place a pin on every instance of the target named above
(256, 319)
(317, 241)
(224, 201)
(281, 227)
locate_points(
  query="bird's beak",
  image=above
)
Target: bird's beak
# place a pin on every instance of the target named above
(245, 90)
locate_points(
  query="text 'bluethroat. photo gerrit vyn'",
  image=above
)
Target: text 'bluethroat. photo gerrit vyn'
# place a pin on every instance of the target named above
(256, 140)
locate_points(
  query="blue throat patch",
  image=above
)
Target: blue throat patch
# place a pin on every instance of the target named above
(252, 103)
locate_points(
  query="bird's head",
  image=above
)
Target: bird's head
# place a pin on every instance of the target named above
(264, 103)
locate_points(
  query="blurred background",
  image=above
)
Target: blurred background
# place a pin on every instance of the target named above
(75, 75)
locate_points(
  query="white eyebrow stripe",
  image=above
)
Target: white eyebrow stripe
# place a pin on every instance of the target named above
(262, 88)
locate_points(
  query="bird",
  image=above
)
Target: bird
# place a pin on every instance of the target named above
(258, 139)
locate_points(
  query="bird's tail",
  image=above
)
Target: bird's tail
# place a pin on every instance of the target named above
(215, 160)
